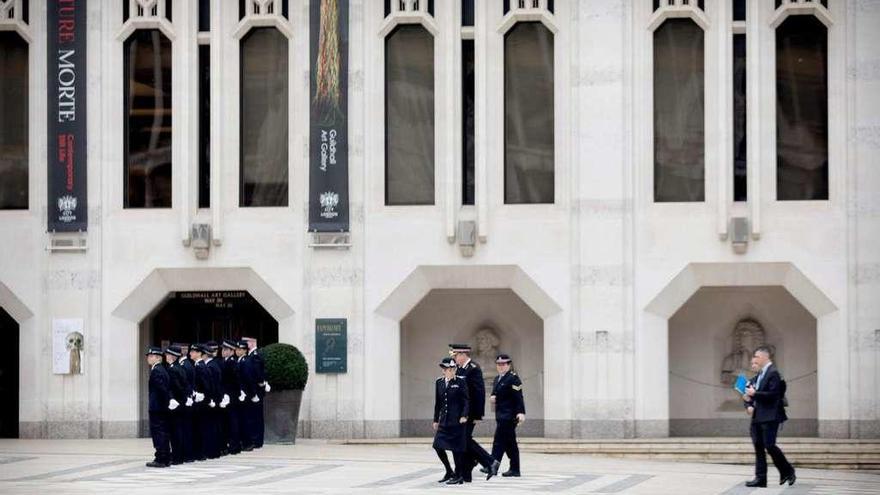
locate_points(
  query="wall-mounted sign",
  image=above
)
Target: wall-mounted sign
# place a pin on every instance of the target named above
(331, 345)
(66, 60)
(68, 346)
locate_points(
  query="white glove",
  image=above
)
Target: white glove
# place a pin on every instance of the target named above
(267, 388)
(225, 401)
(255, 399)
(173, 404)
(189, 402)
(242, 397)
(212, 404)
(200, 396)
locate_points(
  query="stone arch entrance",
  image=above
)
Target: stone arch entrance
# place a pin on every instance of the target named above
(13, 314)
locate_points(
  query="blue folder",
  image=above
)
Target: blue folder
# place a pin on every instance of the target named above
(741, 384)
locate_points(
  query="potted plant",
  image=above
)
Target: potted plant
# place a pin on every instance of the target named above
(287, 373)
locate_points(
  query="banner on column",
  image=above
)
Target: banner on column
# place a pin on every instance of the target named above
(66, 42)
(331, 345)
(328, 140)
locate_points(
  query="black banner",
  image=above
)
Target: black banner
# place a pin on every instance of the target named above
(328, 141)
(66, 41)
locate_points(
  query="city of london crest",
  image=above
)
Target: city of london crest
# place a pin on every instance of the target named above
(329, 201)
(67, 205)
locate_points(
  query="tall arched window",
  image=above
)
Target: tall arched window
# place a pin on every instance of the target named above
(264, 117)
(801, 109)
(147, 66)
(679, 128)
(528, 114)
(13, 121)
(409, 116)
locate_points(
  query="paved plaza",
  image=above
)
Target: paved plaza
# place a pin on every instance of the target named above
(315, 466)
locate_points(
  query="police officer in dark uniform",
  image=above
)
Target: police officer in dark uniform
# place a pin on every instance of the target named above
(246, 393)
(186, 412)
(451, 406)
(232, 390)
(473, 375)
(160, 399)
(203, 417)
(261, 387)
(177, 376)
(221, 400)
(510, 411)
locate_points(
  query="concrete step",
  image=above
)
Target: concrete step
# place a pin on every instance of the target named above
(805, 452)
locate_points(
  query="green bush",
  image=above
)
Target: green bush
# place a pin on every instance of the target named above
(286, 367)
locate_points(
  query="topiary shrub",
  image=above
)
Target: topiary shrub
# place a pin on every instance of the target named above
(286, 367)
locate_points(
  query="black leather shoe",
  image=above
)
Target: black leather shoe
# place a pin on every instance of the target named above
(455, 481)
(446, 477)
(510, 474)
(157, 464)
(484, 470)
(247, 449)
(757, 483)
(493, 470)
(791, 478)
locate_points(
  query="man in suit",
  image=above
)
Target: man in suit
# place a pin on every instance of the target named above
(232, 390)
(179, 398)
(246, 394)
(160, 400)
(261, 388)
(473, 375)
(510, 411)
(767, 396)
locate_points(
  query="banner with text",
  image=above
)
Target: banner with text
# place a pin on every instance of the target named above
(66, 41)
(328, 141)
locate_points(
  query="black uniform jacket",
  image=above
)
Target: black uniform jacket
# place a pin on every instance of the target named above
(472, 373)
(159, 387)
(507, 389)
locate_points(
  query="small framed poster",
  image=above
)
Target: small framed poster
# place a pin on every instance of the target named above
(331, 345)
(68, 346)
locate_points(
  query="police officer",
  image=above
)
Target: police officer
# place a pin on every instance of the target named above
(451, 404)
(186, 412)
(215, 365)
(160, 401)
(203, 417)
(231, 389)
(261, 387)
(473, 375)
(510, 411)
(179, 397)
(246, 393)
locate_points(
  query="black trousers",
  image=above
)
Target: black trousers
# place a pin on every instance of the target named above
(186, 433)
(505, 442)
(220, 429)
(254, 424)
(474, 453)
(159, 434)
(206, 425)
(176, 429)
(231, 423)
(260, 422)
(764, 440)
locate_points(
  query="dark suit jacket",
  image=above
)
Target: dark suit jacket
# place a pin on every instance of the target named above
(159, 389)
(508, 394)
(768, 398)
(472, 373)
(451, 402)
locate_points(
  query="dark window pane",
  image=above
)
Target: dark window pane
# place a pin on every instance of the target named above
(147, 65)
(468, 149)
(284, 8)
(13, 121)
(431, 7)
(125, 12)
(740, 184)
(506, 5)
(550, 5)
(528, 114)
(204, 126)
(739, 10)
(241, 9)
(264, 168)
(778, 3)
(701, 5)
(656, 4)
(409, 116)
(168, 9)
(25, 11)
(801, 109)
(204, 15)
(678, 112)
(467, 12)
(388, 7)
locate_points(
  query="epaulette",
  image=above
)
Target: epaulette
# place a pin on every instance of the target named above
(473, 365)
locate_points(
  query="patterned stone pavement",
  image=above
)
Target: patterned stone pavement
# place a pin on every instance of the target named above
(117, 466)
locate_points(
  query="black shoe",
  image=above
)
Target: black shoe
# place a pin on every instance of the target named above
(176, 463)
(455, 481)
(757, 483)
(247, 449)
(200, 459)
(467, 480)
(791, 478)
(493, 470)
(484, 470)
(446, 477)
(510, 474)
(157, 464)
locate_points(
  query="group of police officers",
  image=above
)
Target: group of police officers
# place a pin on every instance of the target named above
(460, 402)
(204, 406)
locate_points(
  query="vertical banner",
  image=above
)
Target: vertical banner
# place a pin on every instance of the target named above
(66, 60)
(331, 345)
(328, 130)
